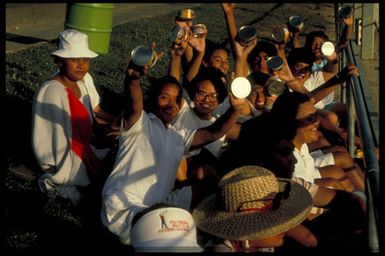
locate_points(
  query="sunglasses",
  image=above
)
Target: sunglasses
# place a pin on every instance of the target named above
(307, 120)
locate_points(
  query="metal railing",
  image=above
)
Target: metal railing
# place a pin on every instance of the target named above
(353, 94)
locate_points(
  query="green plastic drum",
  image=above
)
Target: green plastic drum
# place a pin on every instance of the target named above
(95, 20)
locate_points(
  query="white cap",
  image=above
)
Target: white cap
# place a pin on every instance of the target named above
(327, 48)
(240, 87)
(166, 229)
(73, 44)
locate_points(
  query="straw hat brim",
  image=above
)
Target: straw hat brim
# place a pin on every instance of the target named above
(209, 217)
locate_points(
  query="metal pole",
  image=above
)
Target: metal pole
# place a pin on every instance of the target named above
(371, 162)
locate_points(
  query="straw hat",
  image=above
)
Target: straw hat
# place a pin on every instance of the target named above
(73, 44)
(165, 229)
(251, 203)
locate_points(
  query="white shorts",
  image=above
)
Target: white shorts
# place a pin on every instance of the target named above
(321, 159)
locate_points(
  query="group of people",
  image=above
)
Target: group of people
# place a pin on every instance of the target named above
(194, 167)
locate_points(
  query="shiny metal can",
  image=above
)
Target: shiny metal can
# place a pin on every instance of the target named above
(327, 48)
(178, 34)
(275, 86)
(345, 11)
(280, 35)
(198, 30)
(186, 14)
(275, 63)
(143, 55)
(246, 34)
(240, 87)
(295, 23)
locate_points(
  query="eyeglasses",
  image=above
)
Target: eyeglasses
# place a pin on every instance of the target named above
(310, 119)
(200, 95)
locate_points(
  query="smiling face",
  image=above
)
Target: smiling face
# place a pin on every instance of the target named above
(75, 68)
(168, 103)
(316, 47)
(220, 60)
(257, 97)
(206, 99)
(301, 71)
(307, 124)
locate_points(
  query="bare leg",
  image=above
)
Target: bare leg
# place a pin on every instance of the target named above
(302, 235)
(351, 169)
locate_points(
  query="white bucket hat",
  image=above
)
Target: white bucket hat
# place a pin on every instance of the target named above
(165, 229)
(73, 44)
(251, 203)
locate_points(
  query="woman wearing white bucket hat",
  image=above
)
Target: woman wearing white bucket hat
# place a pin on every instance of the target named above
(63, 115)
(252, 210)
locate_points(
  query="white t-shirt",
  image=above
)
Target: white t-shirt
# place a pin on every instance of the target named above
(305, 167)
(52, 133)
(224, 106)
(188, 119)
(144, 173)
(315, 80)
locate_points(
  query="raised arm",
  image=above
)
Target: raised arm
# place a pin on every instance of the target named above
(346, 33)
(228, 10)
(330, 85)
(287, 76)
(176, 52)
(133, 106)
(198, 44)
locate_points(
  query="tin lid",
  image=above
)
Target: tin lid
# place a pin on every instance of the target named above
(247, 33)
(186, 14)
(198, 30)
(275, 63)
(295, 21)
(279, 34)
(345, 11)
(240, 87)
(178, 34)
(327, 48)
(275, 86)
(143, 55)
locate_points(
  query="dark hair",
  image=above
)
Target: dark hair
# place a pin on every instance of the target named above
(285, 109)
(302, 54)
(155, 89)
(211, 47)
(311, 35)
(258, 78)
(214, 76)
(111, 102)
(262, 46)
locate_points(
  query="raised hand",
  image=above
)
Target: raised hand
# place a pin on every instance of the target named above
(228, 7)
